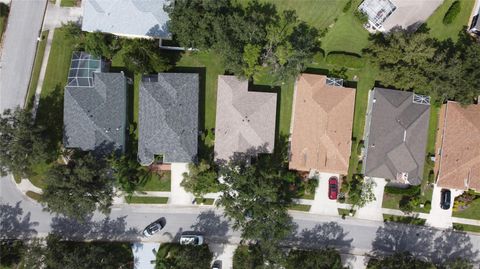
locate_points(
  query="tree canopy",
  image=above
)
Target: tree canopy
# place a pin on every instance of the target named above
(201, 179)
(78, 188)
(414, 61)
(21, 142)
(176, 256)
(249, 39)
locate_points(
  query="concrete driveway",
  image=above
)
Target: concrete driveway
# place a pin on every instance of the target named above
(178, 195)
(18, 52)
(438, 217)
(322, 204)
(373, 210)
(409, 12)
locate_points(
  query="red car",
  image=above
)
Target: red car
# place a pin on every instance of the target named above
(333, 188)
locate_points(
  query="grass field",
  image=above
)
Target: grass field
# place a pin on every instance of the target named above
(35, 196)
(300, 207)
(441, 31)
(204, 201)
(3, 18)
(36, 69)
(157, 182)
(466, 227)
(68, 3)
(472, 212)
(146, 200)
(401, 219)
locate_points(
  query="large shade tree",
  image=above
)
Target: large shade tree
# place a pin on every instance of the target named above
(21, 142)
(78, 188)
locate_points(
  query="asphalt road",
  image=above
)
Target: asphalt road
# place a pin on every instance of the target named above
(20, 217)
(18, 52)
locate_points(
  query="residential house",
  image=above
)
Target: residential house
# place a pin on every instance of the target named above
(245, 121)
(322, 122)
(130, 18)
(396, 135)
(457, 160)
(168, 118)
(94, 106)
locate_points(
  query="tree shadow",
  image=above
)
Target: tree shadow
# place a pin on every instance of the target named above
(421, 242)
(106, 229)
(215, 228)
(50, 116)
(15, 225)
(329, 234)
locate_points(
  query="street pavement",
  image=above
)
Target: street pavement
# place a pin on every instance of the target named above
(18, 51)
(24, 218)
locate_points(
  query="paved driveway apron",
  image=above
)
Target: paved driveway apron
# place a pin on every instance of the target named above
(322, 204)
(439, 217)
(18, 52)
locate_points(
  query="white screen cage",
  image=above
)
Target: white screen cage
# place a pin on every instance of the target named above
(421, 99)
(335, 82)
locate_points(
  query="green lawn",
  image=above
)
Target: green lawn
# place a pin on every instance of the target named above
(392, 201)
(347, 34)
(466, 227)
(35, 196)
(441, 31)
(3, 18)
(472, 212)
(50, 111)
(146, 200)
(346, 212)
(36, 69)
(205, 201)
(157, 183)
(402, 219)
(68, 3)
(300, 207)
(318, 13)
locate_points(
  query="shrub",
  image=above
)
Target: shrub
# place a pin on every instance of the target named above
(410, 191)
(347, 6)
(347, 59)
(452, 13)
(362, 17)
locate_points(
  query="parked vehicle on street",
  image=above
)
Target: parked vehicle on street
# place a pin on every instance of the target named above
(191, 239)
(445, 198)
(154, 227)
(333, 188)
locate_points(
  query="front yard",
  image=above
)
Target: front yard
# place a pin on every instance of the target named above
(471, 212)
(157, 182)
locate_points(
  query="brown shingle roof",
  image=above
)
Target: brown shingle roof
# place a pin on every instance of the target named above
(245, 119)
(458, 165)
(322, 126)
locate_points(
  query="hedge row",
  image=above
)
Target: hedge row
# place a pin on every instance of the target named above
(347, 59)
(410, 191)
(452, 13)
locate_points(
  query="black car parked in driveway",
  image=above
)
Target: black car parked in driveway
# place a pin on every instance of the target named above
(445, 197)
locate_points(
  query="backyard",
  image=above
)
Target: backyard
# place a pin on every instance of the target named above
(441, 31)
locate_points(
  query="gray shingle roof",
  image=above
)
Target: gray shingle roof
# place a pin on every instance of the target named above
(397, 138)
(245, 121)
(95, 117)
(168, 117)
(126, 17)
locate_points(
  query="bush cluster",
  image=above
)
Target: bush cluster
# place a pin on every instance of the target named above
(341, 58)
(452, 13)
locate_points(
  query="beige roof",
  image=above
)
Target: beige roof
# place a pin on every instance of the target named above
(458, 142)
(322, 126)
(245, 121)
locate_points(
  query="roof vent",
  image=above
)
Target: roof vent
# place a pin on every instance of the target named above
(338, 82)
(421, 99)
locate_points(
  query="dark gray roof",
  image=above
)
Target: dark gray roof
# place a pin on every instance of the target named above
(396, 139)
(168, 117)
(95, 117)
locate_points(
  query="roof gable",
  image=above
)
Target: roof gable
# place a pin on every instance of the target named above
(168, 117)
(245, 121)
(321, 125)
(397, 137)
(95, 117)
(459, 146)
(126, 17)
